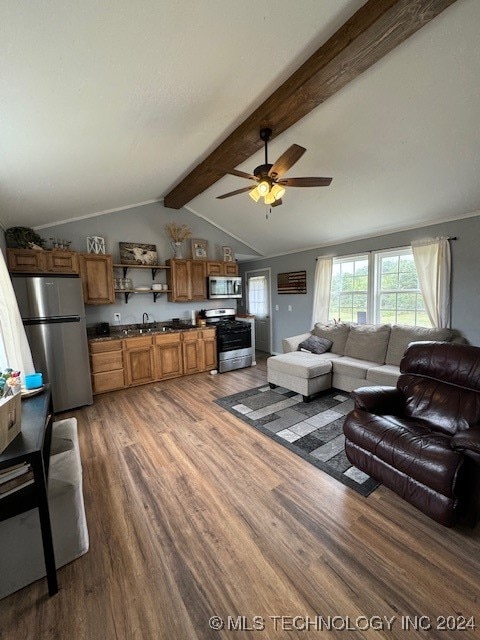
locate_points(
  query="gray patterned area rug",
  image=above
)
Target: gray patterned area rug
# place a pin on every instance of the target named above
(312, 430)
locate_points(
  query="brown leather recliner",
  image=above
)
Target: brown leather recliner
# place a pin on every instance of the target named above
(422, 438)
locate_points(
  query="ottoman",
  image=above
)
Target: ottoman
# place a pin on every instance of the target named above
(298, 371)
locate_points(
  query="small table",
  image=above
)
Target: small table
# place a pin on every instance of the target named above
(32, 445)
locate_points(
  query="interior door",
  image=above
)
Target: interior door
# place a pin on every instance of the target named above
(258, 304)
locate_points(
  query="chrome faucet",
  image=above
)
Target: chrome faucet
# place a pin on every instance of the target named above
(145, 319)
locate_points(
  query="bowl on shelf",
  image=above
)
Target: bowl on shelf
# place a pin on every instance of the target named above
(142, 289)
(157, 287)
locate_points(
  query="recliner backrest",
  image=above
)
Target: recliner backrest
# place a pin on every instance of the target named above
(441, 384)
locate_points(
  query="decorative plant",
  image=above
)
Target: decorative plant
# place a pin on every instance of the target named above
(178, 232)
(23, 238)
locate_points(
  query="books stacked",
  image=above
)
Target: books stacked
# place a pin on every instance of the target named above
(14, 478)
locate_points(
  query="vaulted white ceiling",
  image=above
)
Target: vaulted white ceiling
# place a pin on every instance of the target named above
(106, 105)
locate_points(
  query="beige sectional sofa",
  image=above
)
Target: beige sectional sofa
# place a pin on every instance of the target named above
(360, 355)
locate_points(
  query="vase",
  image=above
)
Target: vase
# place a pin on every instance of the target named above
(177, 250)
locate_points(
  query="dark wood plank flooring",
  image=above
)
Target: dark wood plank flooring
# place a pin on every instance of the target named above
(193, 514)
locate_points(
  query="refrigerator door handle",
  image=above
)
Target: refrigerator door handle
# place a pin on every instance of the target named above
(54, 320)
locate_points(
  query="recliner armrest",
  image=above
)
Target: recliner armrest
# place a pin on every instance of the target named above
(467, 441)
(379, 400)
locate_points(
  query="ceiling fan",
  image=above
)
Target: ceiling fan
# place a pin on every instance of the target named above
(269, 182)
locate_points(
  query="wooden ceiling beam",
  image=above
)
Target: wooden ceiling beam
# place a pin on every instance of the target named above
(372, 32)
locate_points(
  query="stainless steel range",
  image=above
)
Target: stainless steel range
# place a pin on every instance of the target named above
(234, 339)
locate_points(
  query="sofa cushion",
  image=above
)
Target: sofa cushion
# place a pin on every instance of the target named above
(300, 364)
(384, 375)
(314, 344)
(402, 335)
(337, 333)
(352, 367)
(368, 342)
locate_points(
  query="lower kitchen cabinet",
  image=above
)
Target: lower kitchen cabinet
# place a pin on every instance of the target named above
(209, 349)
(192, 352)
(106, 363)
(168, 356)
(139, 357)
(132, 361)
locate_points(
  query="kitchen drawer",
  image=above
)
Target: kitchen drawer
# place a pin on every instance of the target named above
(208, 333)
(106, 361)
(136, 343)
(108, 381)
(105, 345)
(167, 338)
(190, 336)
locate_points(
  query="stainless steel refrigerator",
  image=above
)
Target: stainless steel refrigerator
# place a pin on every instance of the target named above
(53, 314)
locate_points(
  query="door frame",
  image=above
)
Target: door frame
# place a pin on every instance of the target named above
(268, 270)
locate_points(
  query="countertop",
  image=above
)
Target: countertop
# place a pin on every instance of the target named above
(119, 334)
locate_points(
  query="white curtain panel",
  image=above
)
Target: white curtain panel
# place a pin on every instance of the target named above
(14, 348)
(321, 290)
(433, 264)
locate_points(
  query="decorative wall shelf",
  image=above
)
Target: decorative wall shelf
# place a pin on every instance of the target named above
(128, 292)
(153, 267)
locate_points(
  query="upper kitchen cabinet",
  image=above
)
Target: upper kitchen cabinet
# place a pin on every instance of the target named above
(222, 268)
(187, 280)
(33, 261)
(96, 271)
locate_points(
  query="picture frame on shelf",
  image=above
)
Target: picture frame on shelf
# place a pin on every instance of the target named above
(137, 253)
(228, 254)
(199, 249)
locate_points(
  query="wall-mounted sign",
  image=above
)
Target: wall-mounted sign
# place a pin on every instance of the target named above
(292, 282)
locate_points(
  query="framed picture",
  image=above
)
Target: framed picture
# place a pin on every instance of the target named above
(199, 249)
(135, 253)
(228, 255)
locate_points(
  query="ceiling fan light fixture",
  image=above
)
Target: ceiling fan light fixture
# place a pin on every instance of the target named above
(263, 187)
(278, 191)
(254, 195)
(269, 198)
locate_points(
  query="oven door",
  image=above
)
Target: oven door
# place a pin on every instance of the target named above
(233, 339)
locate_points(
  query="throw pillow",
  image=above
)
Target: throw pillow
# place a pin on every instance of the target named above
(314, 344)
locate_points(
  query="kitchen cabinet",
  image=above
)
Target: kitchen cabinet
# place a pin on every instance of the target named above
(139, 358)
(33, 261)
(222, 268)
(168, 356)
(130, 361)
(191, 352)
(106, 364)
(208, 349)
(187, 280)
(96, 271)
(62, 262)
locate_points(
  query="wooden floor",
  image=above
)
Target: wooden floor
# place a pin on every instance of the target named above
(194, 514)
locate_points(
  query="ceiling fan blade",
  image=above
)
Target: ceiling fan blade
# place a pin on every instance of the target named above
(234, 193)
(277, 203)
(242, 174)
(305, 182)
(286, 160)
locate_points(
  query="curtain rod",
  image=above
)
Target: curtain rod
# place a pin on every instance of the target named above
(384, 249)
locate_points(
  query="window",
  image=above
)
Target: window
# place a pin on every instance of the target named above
(381, 287)
(349, 290)
(257, 296)
(398, 299)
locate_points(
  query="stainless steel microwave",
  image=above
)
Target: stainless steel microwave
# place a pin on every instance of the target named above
(224, 287)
